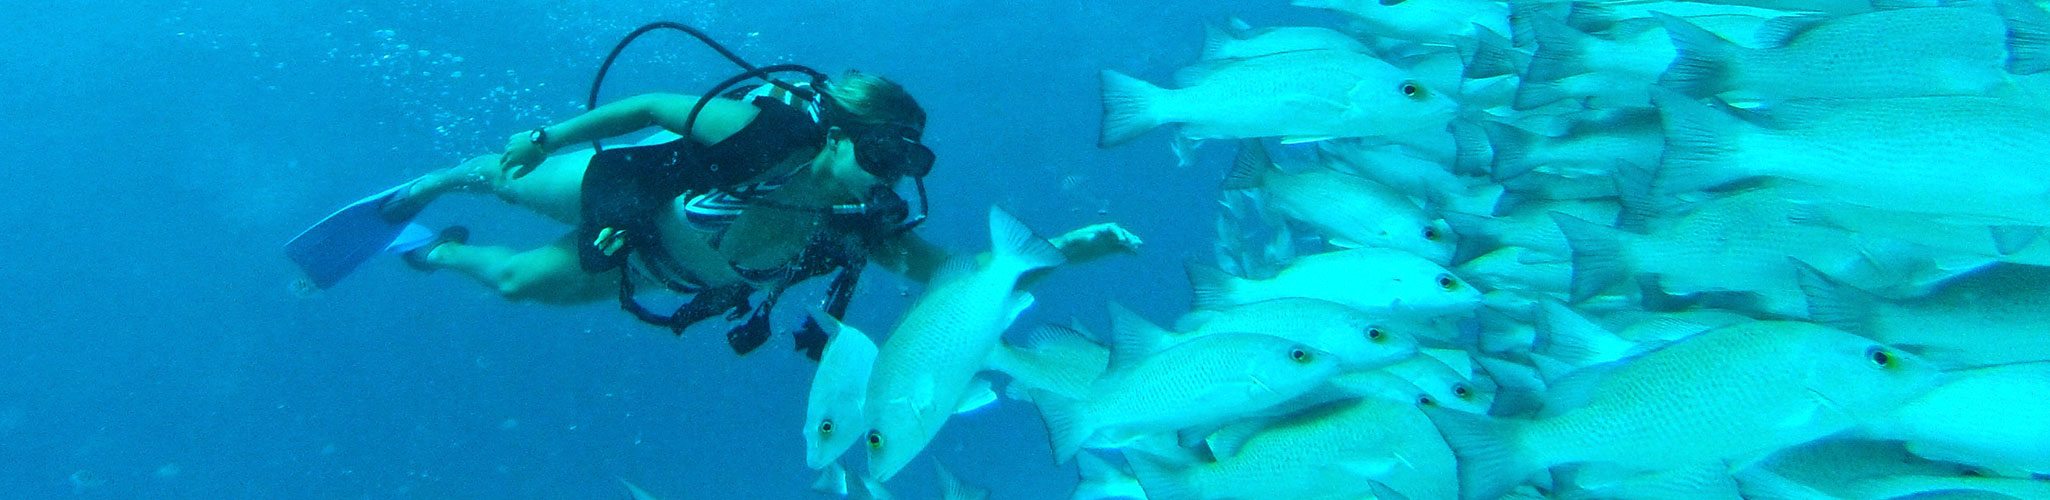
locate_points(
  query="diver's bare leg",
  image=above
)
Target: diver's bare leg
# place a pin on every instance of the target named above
(548, 275)
(554, 189)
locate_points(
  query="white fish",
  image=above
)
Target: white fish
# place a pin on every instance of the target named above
(1414, 173)
(1528, 225)
(1298, 96)
(1349, 211)
(1992, 317)
(1519, 269)
(1588, 148)
(833, 417)
(1991, 417)
(1204, 381)
(1421, 20)
(1357, 341)
(1373, 280)
(1891, 53)
(1727, 394)
(1901, 154)
(1220, 44)
(1334, 451)
(1850, 469)
(925, 371)
(1746, 243)
(1053, 358)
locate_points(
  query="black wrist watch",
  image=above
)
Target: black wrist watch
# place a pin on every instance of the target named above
(539, 137)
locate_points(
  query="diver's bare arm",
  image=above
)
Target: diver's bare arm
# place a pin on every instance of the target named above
(720, 118)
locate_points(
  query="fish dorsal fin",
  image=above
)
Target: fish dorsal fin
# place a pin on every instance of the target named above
(1249, 169)
(1058, 338)
(1215, 39)
(1780, 31)
(954, 269)
(1133, 338)
(977, 395)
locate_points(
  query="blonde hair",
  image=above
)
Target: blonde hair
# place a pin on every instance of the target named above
(869, 100)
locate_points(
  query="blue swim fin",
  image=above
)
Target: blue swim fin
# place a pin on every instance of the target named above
(335, 246)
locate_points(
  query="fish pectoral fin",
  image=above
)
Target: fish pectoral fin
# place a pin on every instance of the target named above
(977, 396)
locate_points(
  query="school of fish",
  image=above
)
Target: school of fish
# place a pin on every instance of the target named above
(1606, 249)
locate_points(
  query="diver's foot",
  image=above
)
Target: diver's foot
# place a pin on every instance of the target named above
(415, 196)
(420, 258)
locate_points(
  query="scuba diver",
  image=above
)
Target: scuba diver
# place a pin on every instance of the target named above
(739, 194)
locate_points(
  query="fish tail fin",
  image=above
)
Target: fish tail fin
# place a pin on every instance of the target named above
(1565, 335)
(1634, 194)
(1215, 39)
(1249, 169)
(2028, 37)
(1066, 428)
(1522, 16)
(1512, 148)
(1492, 55)
(1535, 94)
(1015, 248)
(1213, 288)
(1835, 304)
(1470, 148)
(1703, 66)
(1159, 479)
(1490, 464)
(1590, 17)
(1559, 50)
(1597, 255)
(1699, 146)
(1128, 105)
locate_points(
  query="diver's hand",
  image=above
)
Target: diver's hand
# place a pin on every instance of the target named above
(521, 155)
(1096, 241)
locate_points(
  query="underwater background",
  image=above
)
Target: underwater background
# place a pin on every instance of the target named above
(159, 153)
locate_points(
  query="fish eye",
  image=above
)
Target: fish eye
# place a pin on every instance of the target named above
(1431, 233)
(1446, 282)
(826, 427)
(1299, 355)
(875, 440)
(1426, 401)
(1460, 390)
(1879, 357)
(1412, 90)
(1374, 334)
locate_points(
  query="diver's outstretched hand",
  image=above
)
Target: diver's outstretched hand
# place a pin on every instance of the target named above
(1096, 241)
(521, 155)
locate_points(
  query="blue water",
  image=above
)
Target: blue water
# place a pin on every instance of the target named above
(159, 153)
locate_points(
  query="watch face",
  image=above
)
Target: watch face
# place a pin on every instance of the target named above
(537, 136)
